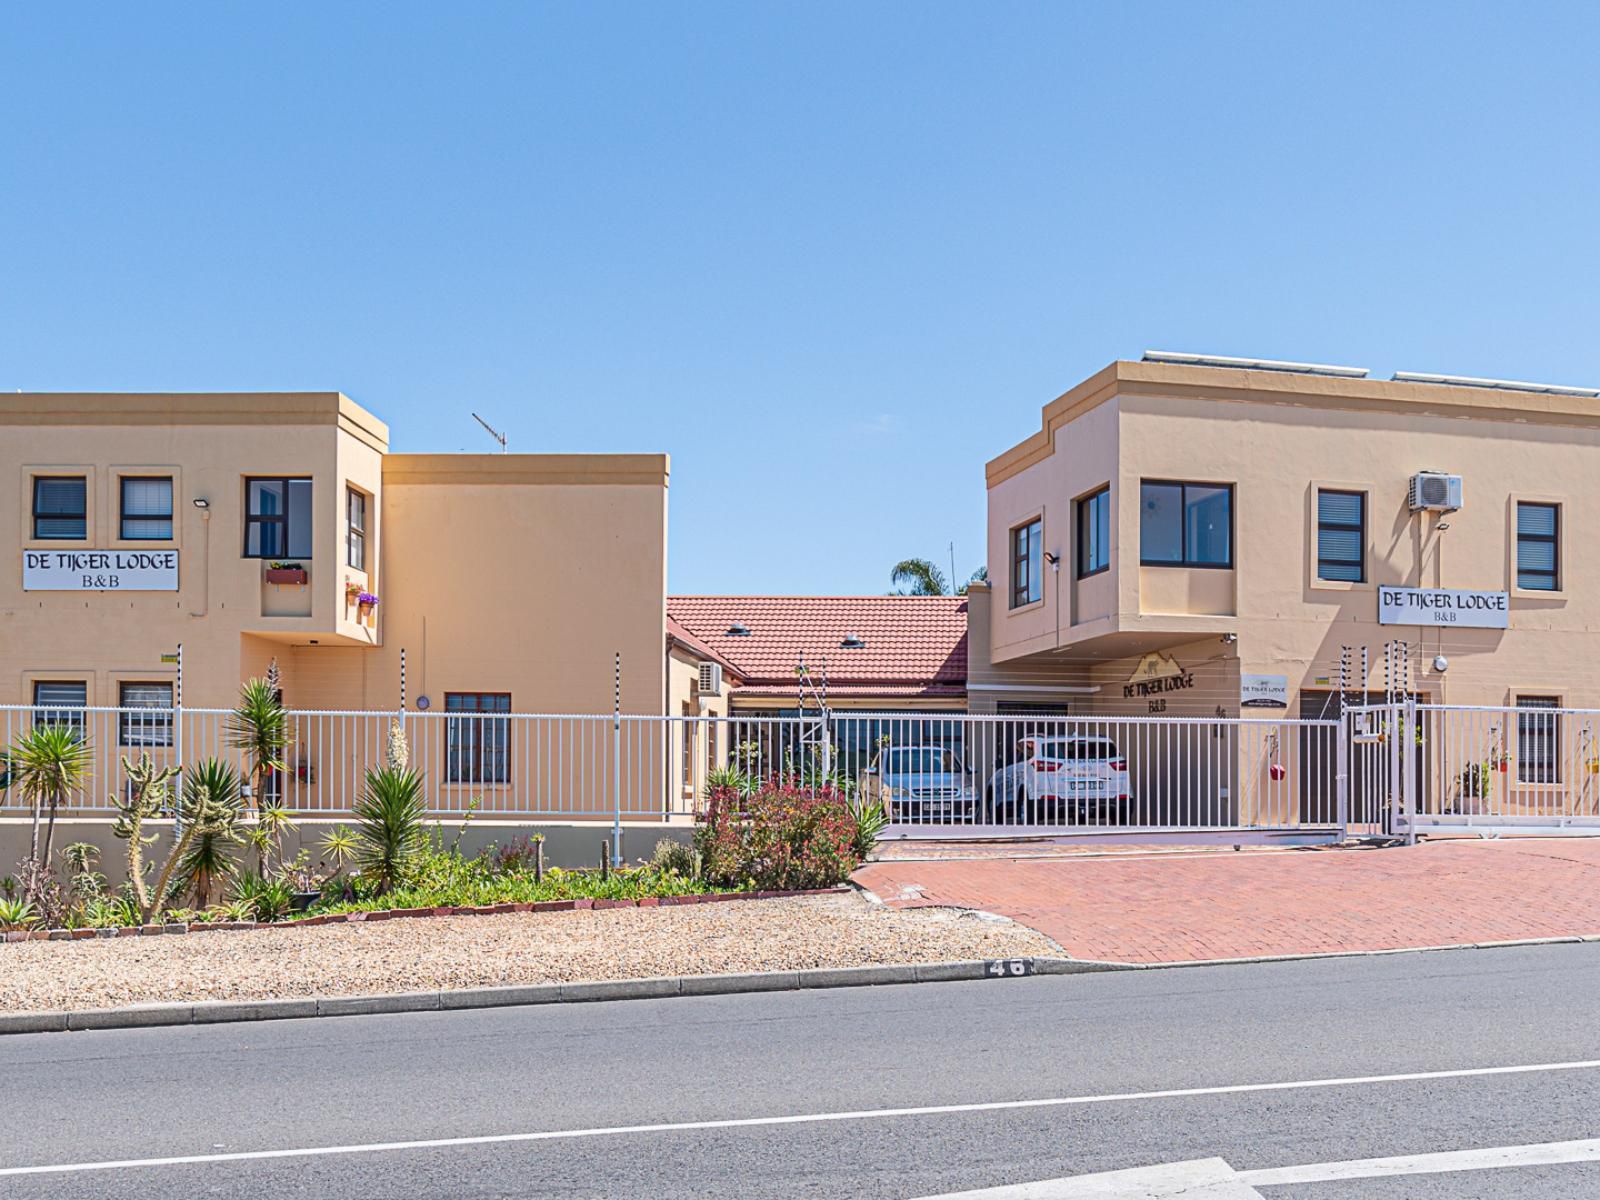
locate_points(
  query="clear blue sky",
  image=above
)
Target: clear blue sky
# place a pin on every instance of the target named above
(831, 257)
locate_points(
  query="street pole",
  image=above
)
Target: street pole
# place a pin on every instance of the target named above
(616, 763)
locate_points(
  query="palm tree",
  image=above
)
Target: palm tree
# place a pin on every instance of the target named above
(390, 813)
(259, 726)
(921, 577)
(51, 760)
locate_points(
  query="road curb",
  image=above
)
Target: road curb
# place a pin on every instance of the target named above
(211, 1012)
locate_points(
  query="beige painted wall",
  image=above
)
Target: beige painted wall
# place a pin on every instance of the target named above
(507, 573)
(1277, 438)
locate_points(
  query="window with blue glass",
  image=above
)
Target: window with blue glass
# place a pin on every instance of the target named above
(1342, 536)
(1538, 547)
(1185, 524)
(1094, 533)
(60, 507)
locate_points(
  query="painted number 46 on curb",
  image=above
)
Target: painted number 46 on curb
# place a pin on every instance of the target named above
(1005, 968)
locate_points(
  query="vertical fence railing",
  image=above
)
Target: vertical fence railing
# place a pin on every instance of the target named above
(580, 767)
(1094, 773)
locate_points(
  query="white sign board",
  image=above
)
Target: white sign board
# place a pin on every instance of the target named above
(1263, 691)
(99, 570)
(1443, 606)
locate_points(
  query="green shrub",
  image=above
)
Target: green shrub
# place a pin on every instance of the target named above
(269, 899)
(782, 836)
(675, 858)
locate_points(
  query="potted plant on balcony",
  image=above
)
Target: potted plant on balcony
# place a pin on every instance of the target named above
(285, 572)
(352, 591)
(366, 602)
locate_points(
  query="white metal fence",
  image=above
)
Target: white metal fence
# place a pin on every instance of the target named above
(1383, 769)
(559, 767)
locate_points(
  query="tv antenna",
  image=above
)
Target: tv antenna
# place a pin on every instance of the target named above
(493, 432)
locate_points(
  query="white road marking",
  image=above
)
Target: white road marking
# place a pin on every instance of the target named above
(1214, 1179)
(867, 1114)
(1440, 1163)
(1201, 1179)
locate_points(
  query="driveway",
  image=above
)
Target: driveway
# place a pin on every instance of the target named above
(1180, 907)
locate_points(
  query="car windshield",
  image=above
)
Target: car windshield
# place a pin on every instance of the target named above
(923, 760)
(1092, 749)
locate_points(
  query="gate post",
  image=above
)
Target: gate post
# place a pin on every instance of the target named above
(1408, 770)
(1341, 780)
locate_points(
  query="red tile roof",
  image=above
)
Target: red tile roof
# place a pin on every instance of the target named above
(676, 633)
(915, 646)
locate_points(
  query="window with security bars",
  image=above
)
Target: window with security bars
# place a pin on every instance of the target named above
(151, 722)
(60, 508)
(1538, 739)
(1341, 536)
(60, 702)
(1538, 547)
(146, 509)
(477, 743)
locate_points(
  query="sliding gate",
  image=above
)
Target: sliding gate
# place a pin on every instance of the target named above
(994, 775)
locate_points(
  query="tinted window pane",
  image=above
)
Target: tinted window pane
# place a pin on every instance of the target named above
(1339, 508)
(1539, 519)
(1347, 572)
(1102, 527)
(1161, 522)
(1536, 583)
(1209, 527)
(60, 508)
(264, 540)
(146, 509)
(1536, 556)
(266, 498)
(299, 518)
(1342, 545)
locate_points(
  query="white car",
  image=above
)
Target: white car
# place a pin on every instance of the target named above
(1061, 773)
(921, 785)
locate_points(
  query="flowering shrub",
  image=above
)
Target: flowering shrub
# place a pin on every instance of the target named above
(779, 836)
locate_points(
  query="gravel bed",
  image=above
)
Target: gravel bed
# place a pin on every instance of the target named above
(485, 951)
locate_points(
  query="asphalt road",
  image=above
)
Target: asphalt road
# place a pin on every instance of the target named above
(782, 1094)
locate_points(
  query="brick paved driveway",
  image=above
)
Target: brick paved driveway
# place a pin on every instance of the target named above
(1176, 907)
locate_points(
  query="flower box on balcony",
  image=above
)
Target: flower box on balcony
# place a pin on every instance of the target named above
(285, 573)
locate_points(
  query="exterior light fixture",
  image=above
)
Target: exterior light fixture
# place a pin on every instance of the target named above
(201, 503)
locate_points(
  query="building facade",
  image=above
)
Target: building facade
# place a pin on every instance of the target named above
(1186, 539)
(253, 528)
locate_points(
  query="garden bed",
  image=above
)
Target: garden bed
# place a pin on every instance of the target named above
(367, 956)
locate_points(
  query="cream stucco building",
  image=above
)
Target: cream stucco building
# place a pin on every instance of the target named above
(142, 522)
(1178, 534)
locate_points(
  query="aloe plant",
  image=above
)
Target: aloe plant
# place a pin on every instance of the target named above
(17, 914)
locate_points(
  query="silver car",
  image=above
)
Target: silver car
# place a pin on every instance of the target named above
(921, 785)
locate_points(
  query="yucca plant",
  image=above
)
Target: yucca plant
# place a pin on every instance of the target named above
(50, 762)
(272, 822)
(268, 899)
(259, 726)
(211, 813)
(341, 844)
(17, 914)
(390, 815)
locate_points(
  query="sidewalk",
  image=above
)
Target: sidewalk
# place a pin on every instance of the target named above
(1168, 907)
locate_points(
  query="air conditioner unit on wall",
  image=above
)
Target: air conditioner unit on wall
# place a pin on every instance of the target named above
(1432, 491)
(710, 679)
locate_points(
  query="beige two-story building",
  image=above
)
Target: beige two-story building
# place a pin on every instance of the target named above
(1185, 535)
